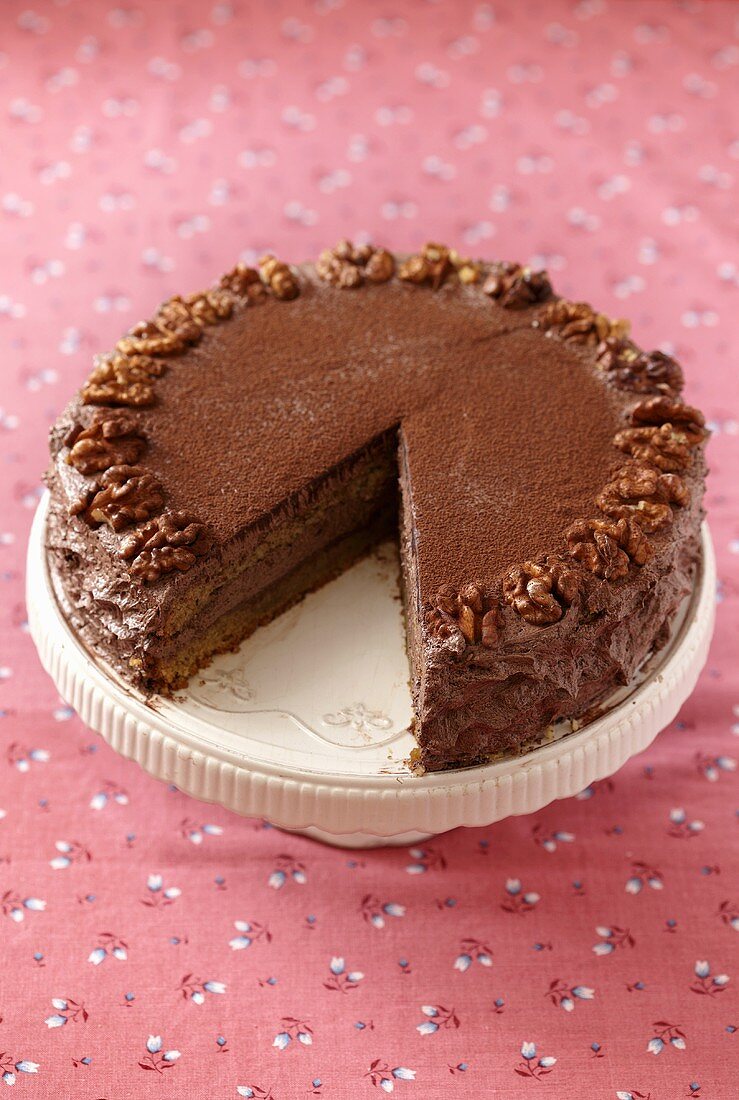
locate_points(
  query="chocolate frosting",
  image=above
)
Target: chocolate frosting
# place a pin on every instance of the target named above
(505, 439)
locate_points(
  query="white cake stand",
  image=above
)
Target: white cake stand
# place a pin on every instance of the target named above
(306, 725)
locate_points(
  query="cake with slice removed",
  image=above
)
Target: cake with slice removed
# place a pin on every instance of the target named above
(249, 442)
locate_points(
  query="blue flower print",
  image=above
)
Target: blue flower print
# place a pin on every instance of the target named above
(643, 874)
(425, 859)
(70, 851)
(531, 1066)
(437, 1017)
(292, 1028)
(705, 984)
(611, 938)
(108, 945)
(15, 907)
(287, 869)
(461, 1067)
(195, 833)
(249, 933)
(9, 1068)
(341, 979)
(598, 787)
(21, 757)
(712, 766)
(156, 1060)
(729, 914)
(549, 841)
(565, 996)
(665, 1035)
(374, 911)
(111, 792)
(254, 1092)
(66, 1009)
(473, 951)
(194, 989)
(157, 896)
(516, 900)
(681, 828)
(382, 1075)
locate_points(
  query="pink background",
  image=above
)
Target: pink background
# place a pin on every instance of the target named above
(145, 148)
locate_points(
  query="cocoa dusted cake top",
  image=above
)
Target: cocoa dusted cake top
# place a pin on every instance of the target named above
(541, 446)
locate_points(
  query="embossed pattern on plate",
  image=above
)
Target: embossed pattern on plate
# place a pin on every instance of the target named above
(328, 676)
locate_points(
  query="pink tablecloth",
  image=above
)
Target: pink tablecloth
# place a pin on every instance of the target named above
(579, 952)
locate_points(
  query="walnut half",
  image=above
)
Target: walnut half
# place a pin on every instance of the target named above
(579, 323)
(243, 281)
(666, 447)
(636, 370)
(112, 438)
(122, 496)
(644, 493)
(122, 380)
(470, 610)
(607, 549)
(170, 542)
(278, 277)
(666, 410)
(350, 265)
(540, 591)
(516, 287)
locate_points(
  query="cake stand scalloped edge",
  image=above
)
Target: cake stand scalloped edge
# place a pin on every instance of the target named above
(380, 810)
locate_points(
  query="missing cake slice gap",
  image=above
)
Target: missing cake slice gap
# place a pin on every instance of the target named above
(306, 542)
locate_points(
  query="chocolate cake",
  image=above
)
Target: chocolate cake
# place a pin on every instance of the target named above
(251, 441)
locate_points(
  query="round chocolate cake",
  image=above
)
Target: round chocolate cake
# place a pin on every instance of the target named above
(251, 441)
